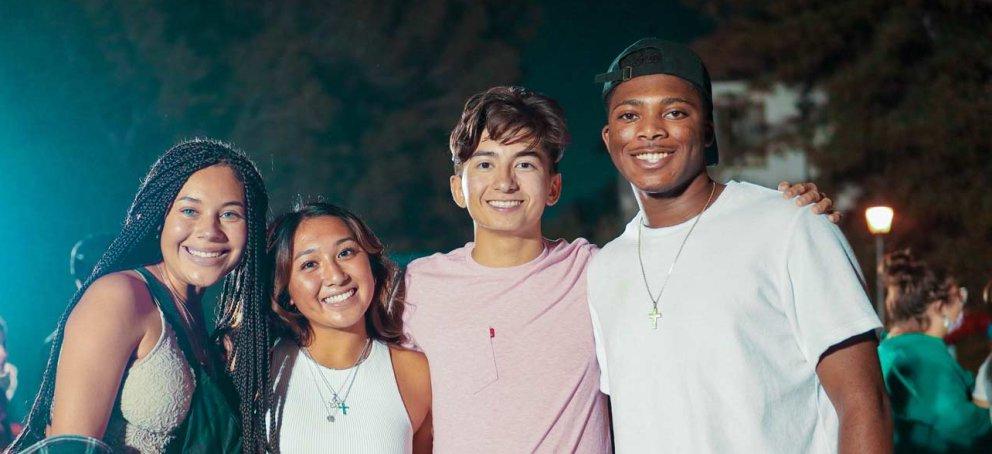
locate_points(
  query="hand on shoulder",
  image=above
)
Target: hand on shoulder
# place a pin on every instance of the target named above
(809, 193)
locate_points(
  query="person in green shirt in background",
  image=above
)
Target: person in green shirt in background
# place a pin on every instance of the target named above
(929, 392)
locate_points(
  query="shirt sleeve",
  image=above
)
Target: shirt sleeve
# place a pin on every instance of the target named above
(982, 382)
(409, 309)
(827, 287)
(604, 382)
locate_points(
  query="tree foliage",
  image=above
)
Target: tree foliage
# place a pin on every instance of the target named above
(909, 98)
(351, 101)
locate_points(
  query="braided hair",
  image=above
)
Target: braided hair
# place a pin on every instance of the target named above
(243, 302)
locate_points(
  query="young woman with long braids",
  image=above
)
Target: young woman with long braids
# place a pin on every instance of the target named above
(929, 392)
(341, 381)
(131, 362)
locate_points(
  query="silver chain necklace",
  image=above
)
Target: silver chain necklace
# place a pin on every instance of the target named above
(339, 397)
(655, 314)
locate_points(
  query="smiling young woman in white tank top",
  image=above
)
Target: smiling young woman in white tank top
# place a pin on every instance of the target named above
(341, 383)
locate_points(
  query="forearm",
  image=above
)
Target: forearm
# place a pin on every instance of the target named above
(423, 439)
(866, 427)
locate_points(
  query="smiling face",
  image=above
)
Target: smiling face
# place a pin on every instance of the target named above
(205, 230)
(331, 281)
(505, 188)
(657, 132)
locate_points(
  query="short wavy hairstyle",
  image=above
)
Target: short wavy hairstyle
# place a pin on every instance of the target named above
(511, 115)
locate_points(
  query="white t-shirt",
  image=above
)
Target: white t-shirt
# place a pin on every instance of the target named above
(761, 290)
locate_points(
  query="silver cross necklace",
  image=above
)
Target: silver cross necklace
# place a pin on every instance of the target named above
(339, 397)
(655, 314)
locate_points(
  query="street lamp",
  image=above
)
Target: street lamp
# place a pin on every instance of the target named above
(879, 224)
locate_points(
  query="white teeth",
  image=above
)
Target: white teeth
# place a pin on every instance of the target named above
(204, 254)
(339, 297)
(505, 203)
(652, 157)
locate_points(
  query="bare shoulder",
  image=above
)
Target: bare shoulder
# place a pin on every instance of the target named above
(412, 371)
(117, 298)
(104, 332)
(408, 361)
(413, 379)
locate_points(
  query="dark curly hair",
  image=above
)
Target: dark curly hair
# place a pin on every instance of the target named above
(913, 286)
(242, 306)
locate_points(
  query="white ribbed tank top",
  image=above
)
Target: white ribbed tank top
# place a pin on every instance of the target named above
(377, 420)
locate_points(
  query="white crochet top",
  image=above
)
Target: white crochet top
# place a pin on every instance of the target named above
(154, 398)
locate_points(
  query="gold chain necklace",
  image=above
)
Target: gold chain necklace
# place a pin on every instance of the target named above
(655, 314)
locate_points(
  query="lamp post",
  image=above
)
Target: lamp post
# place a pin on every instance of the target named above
(879, 224)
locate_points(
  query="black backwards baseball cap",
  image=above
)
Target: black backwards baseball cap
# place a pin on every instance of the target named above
(650, 56)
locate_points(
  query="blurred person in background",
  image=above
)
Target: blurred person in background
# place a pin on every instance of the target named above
(82, 259)
(84, 255)
(929, 391)
(969, 342)
(8, 385)
(983, 381)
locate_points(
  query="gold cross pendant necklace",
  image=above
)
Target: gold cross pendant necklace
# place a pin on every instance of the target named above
(655, 314)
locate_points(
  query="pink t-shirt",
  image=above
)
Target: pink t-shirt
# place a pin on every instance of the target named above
(511, 352)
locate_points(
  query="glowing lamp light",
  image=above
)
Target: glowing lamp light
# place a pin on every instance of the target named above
(879, 220)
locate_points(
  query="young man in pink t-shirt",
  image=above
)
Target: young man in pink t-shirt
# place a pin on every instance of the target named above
(504, 320)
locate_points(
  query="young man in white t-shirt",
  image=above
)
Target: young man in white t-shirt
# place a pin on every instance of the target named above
(726, 319)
